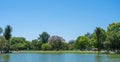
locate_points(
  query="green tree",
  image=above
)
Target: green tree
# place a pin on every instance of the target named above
(81, 43)
(44, 37)
(93, 41)
(27, 45)
(66, 46)
(100, 37)
(18, 43)
(36, 45)
(46, 46)
(7, 35)
(2, 44)
(113, 37)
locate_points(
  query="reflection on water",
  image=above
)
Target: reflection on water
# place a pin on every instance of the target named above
(35, 57)
(4, 58)
(101, 58)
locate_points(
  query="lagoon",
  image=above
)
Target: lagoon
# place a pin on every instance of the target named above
(38, 57)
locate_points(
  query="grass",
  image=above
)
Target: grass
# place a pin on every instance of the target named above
(59, 52)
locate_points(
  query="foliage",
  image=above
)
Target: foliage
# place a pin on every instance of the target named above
(81, 43)
(2, 43)
(100, 37)
(7, 33)
(46, 46)
(18, 43)
(56, 42)
(44, 37)
(34, 44)
(113, 37)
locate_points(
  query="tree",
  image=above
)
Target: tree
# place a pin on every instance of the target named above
(56, 42)
(18, 43)
(66, 46)
(44, 37)
(46, 46)
(2, 44)
(93, 41)
(113, 37)
(100, 37)
(34, 44)
(81, 43)
(27, 45)
(7, 35)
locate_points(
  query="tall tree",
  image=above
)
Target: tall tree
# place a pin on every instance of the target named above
(44, 37)
(113, 37)
(7, 35)
(100, 37)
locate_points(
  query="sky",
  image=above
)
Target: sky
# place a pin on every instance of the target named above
(66, 18)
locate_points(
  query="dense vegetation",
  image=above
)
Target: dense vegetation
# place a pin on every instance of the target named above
(100, 39)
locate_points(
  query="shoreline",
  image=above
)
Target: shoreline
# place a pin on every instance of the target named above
(60, 52)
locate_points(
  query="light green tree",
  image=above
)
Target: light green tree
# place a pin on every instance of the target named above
(81, 43)
(46, 46)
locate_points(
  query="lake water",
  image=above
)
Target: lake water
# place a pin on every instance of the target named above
(36, 57)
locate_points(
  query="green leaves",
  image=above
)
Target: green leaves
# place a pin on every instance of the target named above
(7, 33)
(81, 43)
(46, 46)
(44, 37)
(18, 43)
(100, 37)
(113, 36)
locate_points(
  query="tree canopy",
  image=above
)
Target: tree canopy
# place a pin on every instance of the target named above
(99, 40)
(44, 37)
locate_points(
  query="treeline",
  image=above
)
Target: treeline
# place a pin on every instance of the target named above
(100, 39)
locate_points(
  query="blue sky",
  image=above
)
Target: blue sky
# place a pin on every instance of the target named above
(66, 18)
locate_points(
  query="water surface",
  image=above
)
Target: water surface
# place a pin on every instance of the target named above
(36, 57)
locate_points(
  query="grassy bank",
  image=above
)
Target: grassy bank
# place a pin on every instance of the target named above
(58, 52)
